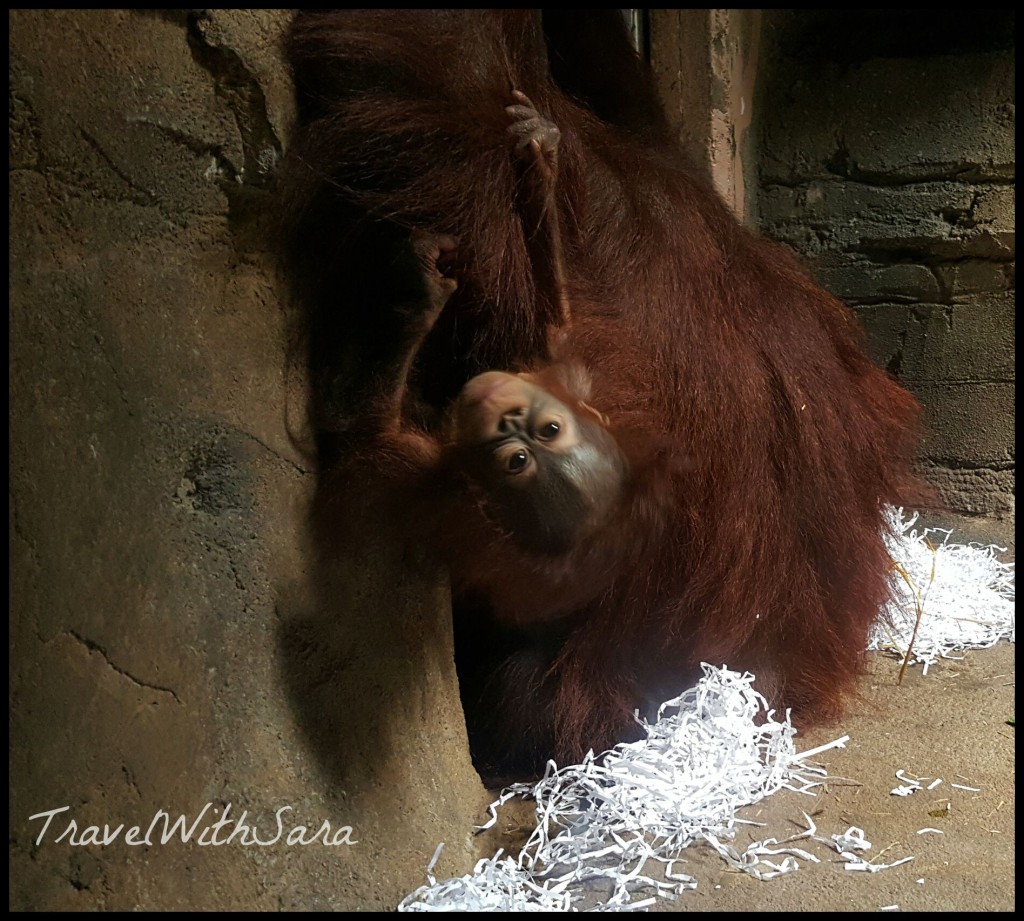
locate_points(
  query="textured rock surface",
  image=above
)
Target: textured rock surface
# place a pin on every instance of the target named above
(175, 640)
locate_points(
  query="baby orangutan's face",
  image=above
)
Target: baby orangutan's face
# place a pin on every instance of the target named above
(551, 472)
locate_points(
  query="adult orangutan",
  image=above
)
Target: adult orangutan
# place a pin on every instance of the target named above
(639, 436)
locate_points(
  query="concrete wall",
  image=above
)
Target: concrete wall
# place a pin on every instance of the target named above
(886, 145)
(175, 640)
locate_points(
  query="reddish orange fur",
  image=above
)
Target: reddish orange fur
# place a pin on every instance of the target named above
(764, 441)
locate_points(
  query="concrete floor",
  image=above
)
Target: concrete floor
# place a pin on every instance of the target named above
(951, 724)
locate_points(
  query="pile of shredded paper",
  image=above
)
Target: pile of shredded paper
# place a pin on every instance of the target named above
(961, 594)
(611, 829)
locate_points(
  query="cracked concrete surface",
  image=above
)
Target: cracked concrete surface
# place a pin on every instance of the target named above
(174, 641)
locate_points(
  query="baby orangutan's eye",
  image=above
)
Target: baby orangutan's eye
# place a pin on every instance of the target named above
(549, 431)
(517, 461)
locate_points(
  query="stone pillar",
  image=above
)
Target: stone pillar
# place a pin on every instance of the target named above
(705, 62)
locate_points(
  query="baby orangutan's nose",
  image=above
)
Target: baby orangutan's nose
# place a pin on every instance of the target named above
(512, 421)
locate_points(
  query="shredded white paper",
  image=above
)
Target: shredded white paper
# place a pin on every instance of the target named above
(909, 785)
(963, 593)
(643, 803)
(613, 827)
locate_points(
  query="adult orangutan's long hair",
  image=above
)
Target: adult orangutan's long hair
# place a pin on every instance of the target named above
(760, 441)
